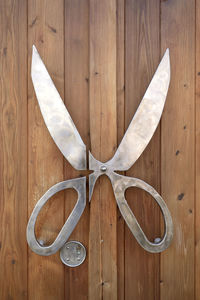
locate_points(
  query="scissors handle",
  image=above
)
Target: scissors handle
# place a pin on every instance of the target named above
(120, 184)
(79, 184)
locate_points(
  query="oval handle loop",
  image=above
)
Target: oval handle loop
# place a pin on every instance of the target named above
(79, 184)
(120, 184)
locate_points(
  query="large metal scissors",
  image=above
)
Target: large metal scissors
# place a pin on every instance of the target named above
(68, 140)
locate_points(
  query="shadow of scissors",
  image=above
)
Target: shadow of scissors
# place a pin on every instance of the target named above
(68, 140)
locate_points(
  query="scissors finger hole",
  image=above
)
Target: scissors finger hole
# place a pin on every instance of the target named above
(53, 215)
(147, 212)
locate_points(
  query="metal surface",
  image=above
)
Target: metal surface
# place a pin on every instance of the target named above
(56, 116)
(73, 254)
(157, 240)
(136, 138)
(120, 184)
(79, 185)
(145, 120)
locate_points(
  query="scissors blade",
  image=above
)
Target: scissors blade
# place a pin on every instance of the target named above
(145, 120)
(56, 116)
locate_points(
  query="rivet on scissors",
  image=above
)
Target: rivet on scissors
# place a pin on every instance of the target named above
(41, 242)
(103, 168)
(157, 240)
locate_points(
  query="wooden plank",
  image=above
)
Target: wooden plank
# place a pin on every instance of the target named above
(77, 103)
(103, 129)
(45, 30)
(13, 154)
(142, 56)
(120, 134)
(197, 194)
(177, 181)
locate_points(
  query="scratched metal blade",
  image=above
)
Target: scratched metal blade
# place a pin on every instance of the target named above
(145, 120)
(56, 116)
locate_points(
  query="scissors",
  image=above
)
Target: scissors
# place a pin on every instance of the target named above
(65, 135)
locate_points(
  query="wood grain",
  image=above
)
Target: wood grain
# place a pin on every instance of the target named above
(142, 56)
(45, 30)
(13, 154)
(197, 173)
(103, 130)
(77, 103)
(120, 134)
(101, 56)
(178, 140)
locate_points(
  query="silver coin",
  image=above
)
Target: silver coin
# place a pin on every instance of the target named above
(73, 254)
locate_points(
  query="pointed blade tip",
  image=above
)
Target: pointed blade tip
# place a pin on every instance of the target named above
(167, 55)
(34, 51)
(166, 61)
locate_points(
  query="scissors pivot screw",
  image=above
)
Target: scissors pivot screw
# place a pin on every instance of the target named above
(103, 168)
